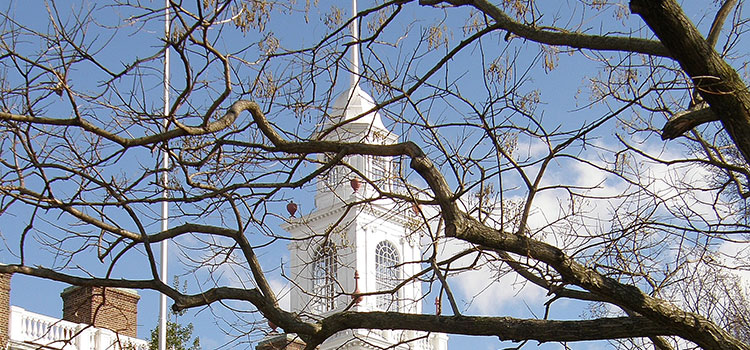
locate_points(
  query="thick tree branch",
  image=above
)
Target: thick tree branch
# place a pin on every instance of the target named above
(42, 272)
(687, 120)
(228, 119)
(505, 328)
(560, 38)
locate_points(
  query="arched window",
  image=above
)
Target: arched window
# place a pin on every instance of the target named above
(324, 269)
(387, 275)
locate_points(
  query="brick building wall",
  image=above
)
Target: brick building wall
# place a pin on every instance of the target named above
(112, 308)
(4, 308)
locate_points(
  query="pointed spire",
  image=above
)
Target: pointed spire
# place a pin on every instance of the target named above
(355, 104)
(355, 47)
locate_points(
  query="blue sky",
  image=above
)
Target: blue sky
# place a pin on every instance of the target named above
(563, 91)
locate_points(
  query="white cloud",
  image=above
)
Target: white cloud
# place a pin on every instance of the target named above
(484, 289)
(737, 256)
(282, 288)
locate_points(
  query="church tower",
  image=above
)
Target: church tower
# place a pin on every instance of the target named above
(354, 242)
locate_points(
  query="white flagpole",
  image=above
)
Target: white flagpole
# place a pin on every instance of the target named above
(165, 182)
(355, 48)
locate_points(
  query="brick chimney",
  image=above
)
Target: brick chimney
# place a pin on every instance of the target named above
(4, 308)
(115, 309)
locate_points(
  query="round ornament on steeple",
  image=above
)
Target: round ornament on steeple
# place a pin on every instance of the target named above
(291, 208)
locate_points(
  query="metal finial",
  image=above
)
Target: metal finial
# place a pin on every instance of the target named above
(356, 295)
(355, 47)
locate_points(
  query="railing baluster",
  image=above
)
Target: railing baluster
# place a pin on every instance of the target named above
(64, 335)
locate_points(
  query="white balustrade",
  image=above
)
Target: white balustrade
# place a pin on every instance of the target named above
(38, 330)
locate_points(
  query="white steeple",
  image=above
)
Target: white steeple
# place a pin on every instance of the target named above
(350, 233)
(353, 118)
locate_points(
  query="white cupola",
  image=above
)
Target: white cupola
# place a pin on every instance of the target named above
(356, 241)
(353, 119)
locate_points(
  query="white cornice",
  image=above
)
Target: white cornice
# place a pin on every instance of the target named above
(373, 209)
